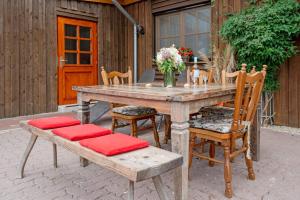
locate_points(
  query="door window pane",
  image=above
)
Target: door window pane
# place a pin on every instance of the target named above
(84, 32)
(85, 45)
(71, 58)
(85, 58)
(70, 44)
(70, 30)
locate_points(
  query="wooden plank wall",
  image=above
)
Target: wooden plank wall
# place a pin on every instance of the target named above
(28, 39)
(24, 58)
(141, 12)
(287, 99)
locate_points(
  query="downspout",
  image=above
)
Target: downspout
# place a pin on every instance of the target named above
(136, 30)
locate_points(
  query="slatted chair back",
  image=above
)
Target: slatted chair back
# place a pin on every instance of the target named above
(231, 77)
(249, 88)
(116, 78)
(208, 74)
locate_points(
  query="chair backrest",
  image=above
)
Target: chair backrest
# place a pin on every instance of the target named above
(249, 88)
(115, 77)
(208, 74)
(231, 77)
(148, 76)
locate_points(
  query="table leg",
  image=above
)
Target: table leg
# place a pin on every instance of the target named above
(180, 144)
(255, 138)
(83, 114)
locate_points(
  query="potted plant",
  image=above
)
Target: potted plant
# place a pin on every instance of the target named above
(169, 61)
(185, 53)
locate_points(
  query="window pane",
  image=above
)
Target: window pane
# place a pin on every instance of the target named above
(163, 25)
(84, 32)
(204, 43)
(169, 41)
(70, 30)
(85, 58)
(191, 42)
(70, 44)
(71, 58)
(204, 18)
(190, 21)
(85, 45)
(174, 25)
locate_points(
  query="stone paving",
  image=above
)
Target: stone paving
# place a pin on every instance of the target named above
(277, 173)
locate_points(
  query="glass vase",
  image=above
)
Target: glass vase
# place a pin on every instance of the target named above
(169, 79)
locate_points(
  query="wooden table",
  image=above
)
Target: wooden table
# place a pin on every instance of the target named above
(178, 102)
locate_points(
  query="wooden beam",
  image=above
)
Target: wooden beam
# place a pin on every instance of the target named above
(122, 2)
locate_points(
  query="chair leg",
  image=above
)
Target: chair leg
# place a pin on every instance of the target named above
(192, 144)
(227, 170)
(134, 128)
(55, 155)
(249, 162)
(156, 136)
(26, 155)
(212, 148)
(232, 147)
(202, 142)
(114, 124)
(167, 128)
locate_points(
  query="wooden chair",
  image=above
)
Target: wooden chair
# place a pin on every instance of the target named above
(130, 114)
(222, 130)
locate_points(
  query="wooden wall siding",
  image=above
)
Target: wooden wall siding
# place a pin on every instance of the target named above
(166, 5)
(141, 12)
(287, 99)
(28, 52)
(23, 57)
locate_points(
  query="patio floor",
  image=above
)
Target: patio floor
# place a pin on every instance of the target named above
(277, 173)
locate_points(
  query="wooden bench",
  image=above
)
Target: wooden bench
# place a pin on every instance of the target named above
(136, 166)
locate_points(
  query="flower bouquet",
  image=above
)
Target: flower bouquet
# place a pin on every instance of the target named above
(186, 53)
(169, 61)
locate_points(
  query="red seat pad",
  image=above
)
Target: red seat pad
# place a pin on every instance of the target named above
(114, 144)
(80, 132)
(54, 122)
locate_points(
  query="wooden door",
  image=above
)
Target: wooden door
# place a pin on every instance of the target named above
(77, 57)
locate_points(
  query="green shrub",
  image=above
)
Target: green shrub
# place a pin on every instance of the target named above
(264, 35)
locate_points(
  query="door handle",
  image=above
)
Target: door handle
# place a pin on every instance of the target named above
(62, 61)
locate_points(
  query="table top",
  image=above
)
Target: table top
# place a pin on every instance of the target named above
(157, 92)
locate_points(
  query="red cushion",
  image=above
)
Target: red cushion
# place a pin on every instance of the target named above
(80, 132)
(114, 144)
(54, 122)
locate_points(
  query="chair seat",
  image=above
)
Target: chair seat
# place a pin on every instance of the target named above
(134, 110)
(216, 111)
(217, 124)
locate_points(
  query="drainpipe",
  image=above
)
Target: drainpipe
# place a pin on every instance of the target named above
(136, 30)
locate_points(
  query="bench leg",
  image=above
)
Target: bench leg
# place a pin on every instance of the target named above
(131, 190)
(55, 155)
(83, 162)
(26, 155)
(160, 188)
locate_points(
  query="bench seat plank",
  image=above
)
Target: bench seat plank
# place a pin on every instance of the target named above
(136, 165)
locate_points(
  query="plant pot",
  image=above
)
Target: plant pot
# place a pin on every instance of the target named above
(170, 79)
(185, 59)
